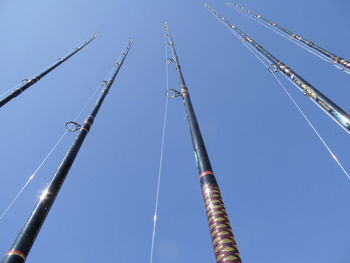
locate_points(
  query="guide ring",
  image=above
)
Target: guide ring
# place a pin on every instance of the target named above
(334, 60)
(104, 83)
(172, 93)
(273, 68)
(72, 126)
(25, 81)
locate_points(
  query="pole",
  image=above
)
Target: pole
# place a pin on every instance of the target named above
(35, 79)
(342, 63)
(224, 243)
(26, 238)
(323, 102)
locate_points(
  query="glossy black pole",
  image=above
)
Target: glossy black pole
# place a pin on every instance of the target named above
(35, 79)
(341, 62)
(328, 106)
(26, 238)
(223, 240)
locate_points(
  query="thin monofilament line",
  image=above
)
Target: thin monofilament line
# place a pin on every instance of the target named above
(313, 128)
(258, 56)
(253, 51)
(9, 90)
(161, 158)
(54, 147)
(45, 159)
(284, 35)
(298, 87)
(31, 177)
(16, 86)
(295, 41)
(26, 79)
(241, 39)
(302, 45)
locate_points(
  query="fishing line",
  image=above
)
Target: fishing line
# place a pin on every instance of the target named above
(253, 51)
(300, 44)
(61, 58)
(307, 48)
(55, 146)
(258, 56)
(20, 84)
(9, 90)
(268, 65)
(46, 157)
(27, 83)
(241, 39)
(32, 226)
(313, 128)
(316, 104)
(161, 156)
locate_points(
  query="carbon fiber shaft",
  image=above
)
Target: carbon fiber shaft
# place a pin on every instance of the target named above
(223, 240)
(341, 117)
(35, 79)
(26, 237)
(333, 58)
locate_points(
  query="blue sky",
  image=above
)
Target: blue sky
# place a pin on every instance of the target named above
(286, 198)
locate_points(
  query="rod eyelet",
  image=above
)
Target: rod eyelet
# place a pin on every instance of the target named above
(72, 126)
(273, 68)
(172, 93)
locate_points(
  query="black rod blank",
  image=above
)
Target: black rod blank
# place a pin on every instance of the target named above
(339, 62)
(35, 79)
(224, 244)
(26, 238)
(328, 106)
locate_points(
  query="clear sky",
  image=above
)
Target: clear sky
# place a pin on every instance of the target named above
(286, 198)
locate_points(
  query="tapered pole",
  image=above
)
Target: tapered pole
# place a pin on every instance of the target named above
(328, 106)
(223, 240)
(35, 79)
(26, 238)
(342, 63)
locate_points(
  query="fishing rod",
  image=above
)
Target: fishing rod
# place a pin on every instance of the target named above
(337, 61)
(26, 237)
(223, 240)
(29, 82)
(328, 106)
